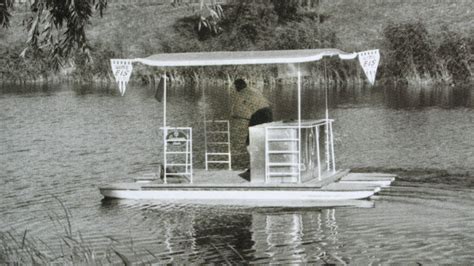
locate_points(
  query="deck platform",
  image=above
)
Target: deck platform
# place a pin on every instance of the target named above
(224, 185)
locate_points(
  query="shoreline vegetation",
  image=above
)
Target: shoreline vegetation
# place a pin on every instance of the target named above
(434, 49)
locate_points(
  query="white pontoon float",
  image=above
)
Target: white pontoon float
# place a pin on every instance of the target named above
(291, 162)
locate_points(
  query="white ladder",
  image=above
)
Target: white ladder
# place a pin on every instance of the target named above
(217, 143)
(178, 143)
(282, 142)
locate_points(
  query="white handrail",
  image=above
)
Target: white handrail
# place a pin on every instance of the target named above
(299, 124)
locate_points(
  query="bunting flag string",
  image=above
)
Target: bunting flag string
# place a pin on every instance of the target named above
(122, 69)
(369, 61)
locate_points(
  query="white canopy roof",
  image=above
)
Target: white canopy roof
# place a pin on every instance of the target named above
(122, 68)
(242, 58)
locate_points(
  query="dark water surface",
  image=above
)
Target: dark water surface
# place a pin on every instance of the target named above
(64, 141)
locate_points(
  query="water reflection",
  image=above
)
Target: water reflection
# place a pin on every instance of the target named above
(29, 89)
(418, 97)
(101, 89)
(202, 234)
(64, 141)
(295, 236)
(391, 95)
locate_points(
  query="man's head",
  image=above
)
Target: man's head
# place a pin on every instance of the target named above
(240, 84)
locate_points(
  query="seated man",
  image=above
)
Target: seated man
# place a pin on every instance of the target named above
(251, 105)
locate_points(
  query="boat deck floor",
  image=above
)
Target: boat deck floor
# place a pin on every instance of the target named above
(225, 179)
(202, 177)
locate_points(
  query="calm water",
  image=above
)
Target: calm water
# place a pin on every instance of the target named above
(65, 141)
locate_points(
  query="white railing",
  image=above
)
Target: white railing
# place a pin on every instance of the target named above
(178, 142)
(289, 147)
(217, 143)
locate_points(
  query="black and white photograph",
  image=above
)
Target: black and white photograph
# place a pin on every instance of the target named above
(235, 132)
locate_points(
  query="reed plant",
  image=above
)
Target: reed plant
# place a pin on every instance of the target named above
(71, 248)
(18, 248)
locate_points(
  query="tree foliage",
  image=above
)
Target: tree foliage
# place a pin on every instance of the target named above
(209, 21)
(5, 15)
(410, 50)
(56, 27)
(454, 54)
(15, 68)
(253, 25)
(95, 67)
(286, 9)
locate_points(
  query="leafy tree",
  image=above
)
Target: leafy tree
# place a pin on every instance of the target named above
(209, 21)
(56, 26)
(5, 13)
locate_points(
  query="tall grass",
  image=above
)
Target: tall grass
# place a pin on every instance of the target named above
(71, 248)
(22, 248)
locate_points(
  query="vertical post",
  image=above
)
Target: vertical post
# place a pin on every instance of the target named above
(165, 129)
(317, 152)
(326, 128)
(228, 145)
(299, 124)
(191, 153)
(332, 149)
(205, 125)
(267, 157)
(164, 100)
(186, 162)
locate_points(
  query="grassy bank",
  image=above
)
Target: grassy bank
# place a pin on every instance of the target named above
(136, 30)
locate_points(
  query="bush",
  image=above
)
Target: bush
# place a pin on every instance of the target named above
(14, 67)
(410, 50)
(95, 65)
(303, 35)
(286, 9)
(249, 26)
(454, 54)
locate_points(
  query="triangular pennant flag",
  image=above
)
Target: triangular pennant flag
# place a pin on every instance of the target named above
(369, 61)
(122, 69)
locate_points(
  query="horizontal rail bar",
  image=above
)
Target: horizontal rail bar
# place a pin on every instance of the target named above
(283, 164)
(186, 128)
(283, 174)
(189, 173)
(217, 121)
(218, 132)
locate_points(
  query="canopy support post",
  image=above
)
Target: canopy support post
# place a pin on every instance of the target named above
(165, 130)
(333, 160)
(326, 128)
(299, 124)
(205, 125)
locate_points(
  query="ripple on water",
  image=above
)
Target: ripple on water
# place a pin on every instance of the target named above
(66, 144)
